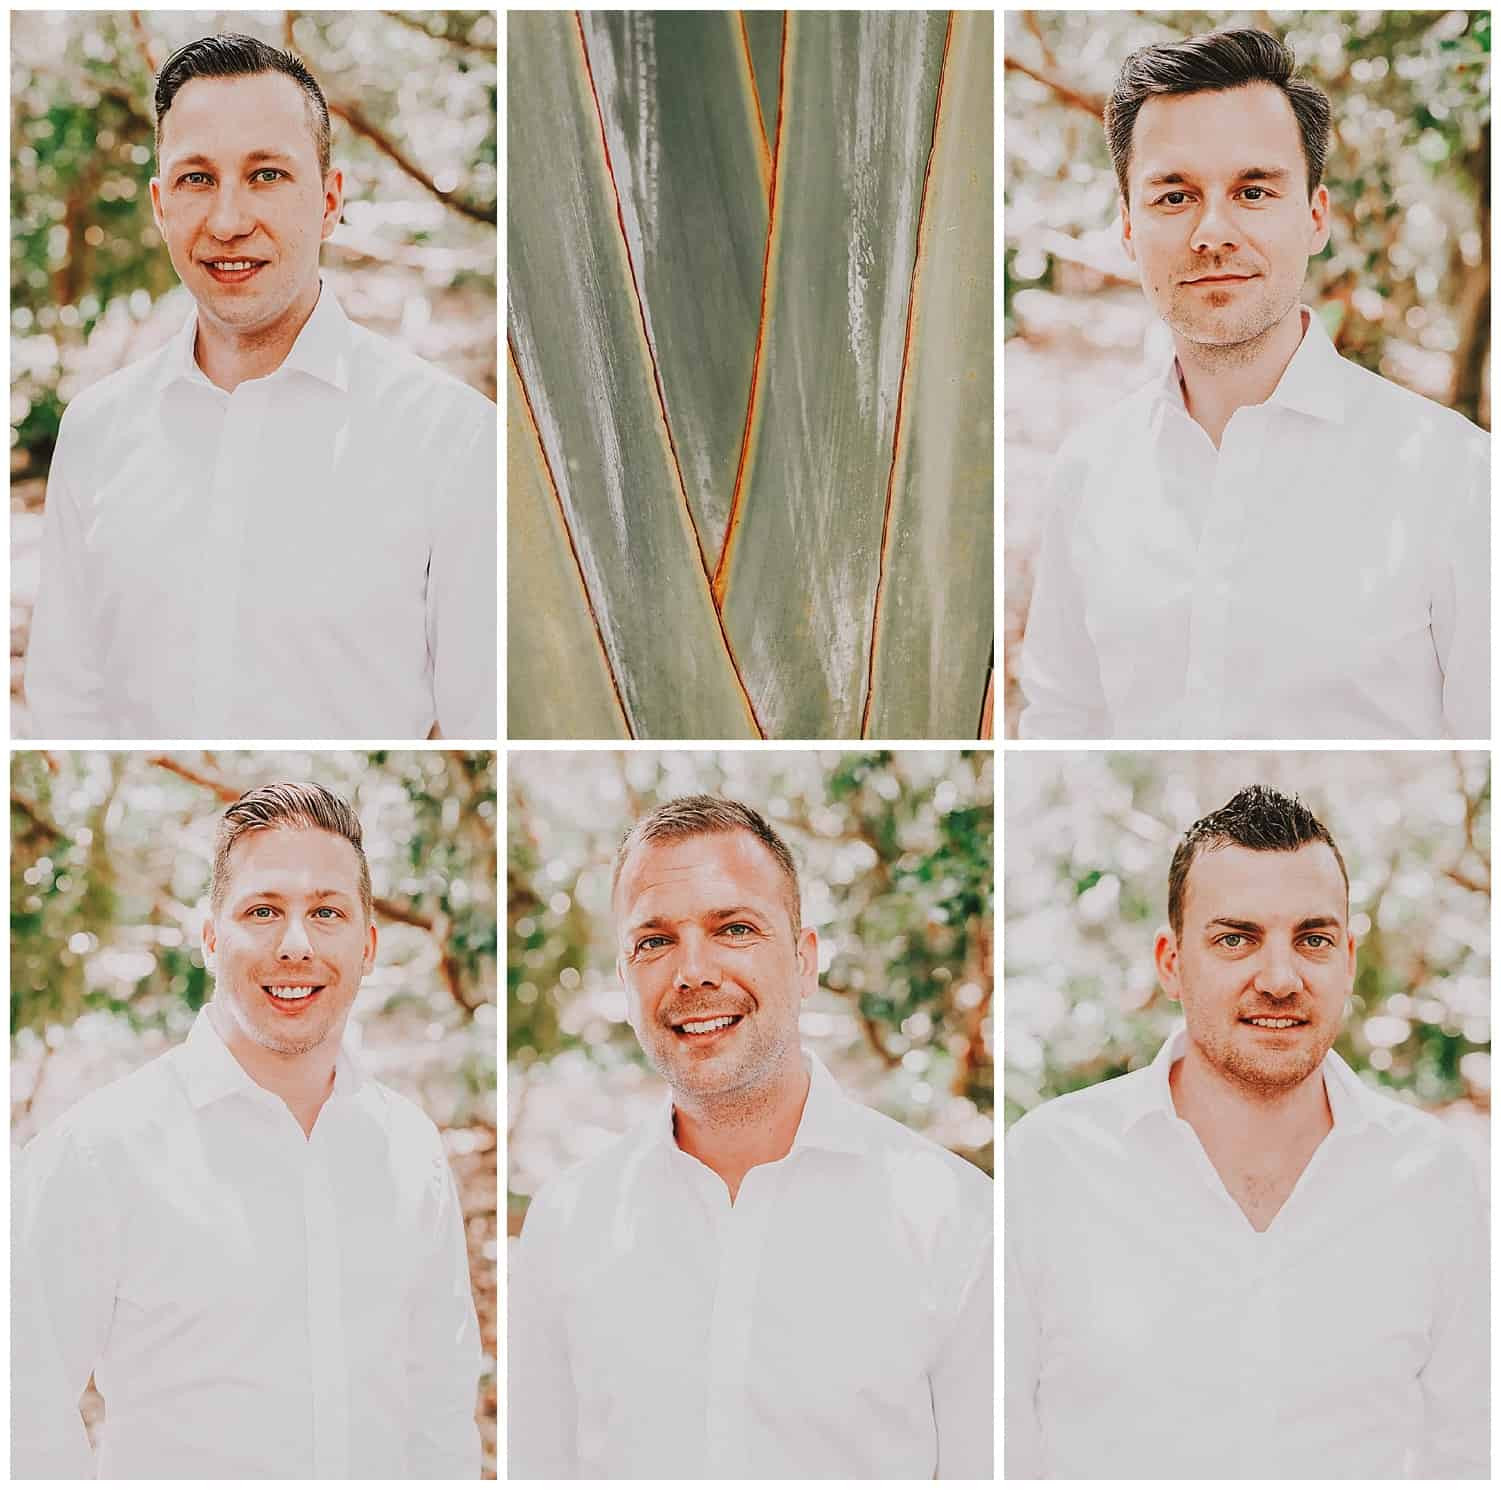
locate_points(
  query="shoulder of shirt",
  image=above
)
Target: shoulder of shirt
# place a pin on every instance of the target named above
(408, 1123)
(116, 1112)
(1085, 1115)
(119, 387)
(1420, 1136)
(1099, 436)
(402, 372)
(596, 1176)
(1398, 411)
(887, 1138)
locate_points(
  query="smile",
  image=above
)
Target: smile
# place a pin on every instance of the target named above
(1276, 1024)
(233, 271)
(706, 1029)
(290, 993)
(1221, 279)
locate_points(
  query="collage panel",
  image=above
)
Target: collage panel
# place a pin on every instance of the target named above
(1247, 321)
(750, 1066)
(253, 1115)
(1247, 1024)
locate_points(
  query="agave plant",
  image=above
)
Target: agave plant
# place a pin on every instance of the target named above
(749, 469)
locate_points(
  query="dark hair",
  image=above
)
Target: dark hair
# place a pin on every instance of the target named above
(688, 817)
(285, 804)
(1257, 817)
(1214, 63)
(233, 56)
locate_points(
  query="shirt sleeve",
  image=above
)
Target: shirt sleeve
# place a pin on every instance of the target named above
(65, 1262)
(1060, 672)
(1461, 603)
(1455, 1379)
(462, 598)
(443, 1359)
(1023, 1430)
(543, 1410)
(963, 1381)
(64, 688)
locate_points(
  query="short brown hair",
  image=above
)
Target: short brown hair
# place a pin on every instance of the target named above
(1215, 63)
(286, 804)
(689, 817)
(1256, 817)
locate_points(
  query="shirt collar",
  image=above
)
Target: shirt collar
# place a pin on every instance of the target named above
(210, 1071)
(830, 1119)
(1312, 383)
(1352, 1104)
(322, 349)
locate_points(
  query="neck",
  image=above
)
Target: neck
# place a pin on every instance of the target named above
(1217, 381)
(302, 1081)
(735, 1131)
(1253, 1121)
(230, 357)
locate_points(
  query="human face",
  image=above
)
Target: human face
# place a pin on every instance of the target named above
(1219, 220)
(291, 919)
(1264, 938)
(706, 934)
(240, 183)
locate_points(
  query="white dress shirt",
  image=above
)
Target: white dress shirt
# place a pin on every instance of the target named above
(310, 555)
(1153, 1333)
(835, 1322)
(1324, 574)
(253, 1303)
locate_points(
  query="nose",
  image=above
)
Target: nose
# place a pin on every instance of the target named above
(697, 966)
(229, 215)
(1276, 977)
(1215, 230)
(294, 942)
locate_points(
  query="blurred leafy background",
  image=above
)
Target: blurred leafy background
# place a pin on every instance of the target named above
(1088, 840)
(1403, 288)
(895, 855)
(109, 865)
(412, 95)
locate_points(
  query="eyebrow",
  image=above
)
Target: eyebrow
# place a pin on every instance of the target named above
(185, 161)
(312, 895)
(719, 913)
(1273, 174)
(1251, 928)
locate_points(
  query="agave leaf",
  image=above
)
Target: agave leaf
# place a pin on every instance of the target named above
(763, 37)
(935, 621)
(797, 581)
(679, 113)
(577, 335)
(558, 677)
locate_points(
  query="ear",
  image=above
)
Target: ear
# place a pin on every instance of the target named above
(1165, 954)
(1126, 242)
(372, 940)
(207, 941)
(1350, 954)
(807, 960)
(156, 204)
(1318, 208)
(333, 202)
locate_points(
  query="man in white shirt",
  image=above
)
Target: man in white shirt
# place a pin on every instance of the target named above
(1243, 1261)
(279, 523)
(1266, 540)
(256, 1250)
(767, 1280)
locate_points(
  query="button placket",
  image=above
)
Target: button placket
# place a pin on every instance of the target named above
(328, 1359)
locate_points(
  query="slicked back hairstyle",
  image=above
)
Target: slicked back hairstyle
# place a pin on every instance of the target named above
(235, 56)
(286, 804)
(1214, 63)
(690, 817)
(1256, 817)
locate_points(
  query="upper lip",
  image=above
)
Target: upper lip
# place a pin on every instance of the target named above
(1275, 1014)
(679, 1020)
(232, 259)
(1218, 274)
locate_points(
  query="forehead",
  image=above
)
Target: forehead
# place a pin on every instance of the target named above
(1265, 885)
(227, 118)
(293, 858)
(1211, 134)
(709, 869)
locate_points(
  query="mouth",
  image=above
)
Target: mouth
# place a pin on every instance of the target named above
(706, 1029)
(232, 271)
(292, 998)
(1213, 281)
(1274, 1024)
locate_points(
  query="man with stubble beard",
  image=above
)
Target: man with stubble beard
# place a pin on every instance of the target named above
(767, 1280)
(1243, 1261)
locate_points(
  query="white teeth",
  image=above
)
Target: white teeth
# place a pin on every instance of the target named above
(1274, 1024)
(703, 1026)
(289, 993)
(231, 264)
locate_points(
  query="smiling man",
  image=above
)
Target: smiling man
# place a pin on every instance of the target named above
(1266, 540)
(278, 511)
(1243, 1261)
(256, 1250)
(766, 1280)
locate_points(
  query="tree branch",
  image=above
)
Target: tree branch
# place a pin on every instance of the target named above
(223, 792)
(484, 48)
(1090, 103)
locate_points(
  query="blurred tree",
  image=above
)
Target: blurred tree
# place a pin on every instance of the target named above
(895, 857)
(1089, 838)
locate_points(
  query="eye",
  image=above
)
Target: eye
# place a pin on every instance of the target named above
(1231, 941)
(1166, 200)
(651, 943)
(1318, 941)
(741, 927)
(270, 171)
(1260, 191)
(260, 912)
(192, 178)
(327, 913)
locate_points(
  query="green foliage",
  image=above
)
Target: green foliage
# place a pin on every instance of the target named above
(1089, 838)
(895, 855)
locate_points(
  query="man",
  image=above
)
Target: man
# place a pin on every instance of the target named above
(1266, 540)
(1242, 1261)
(256, 1250)
(767, 1280)
(279, 523)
